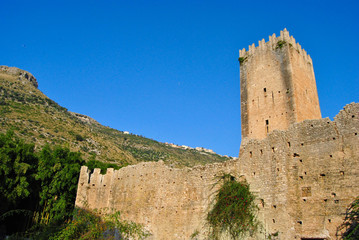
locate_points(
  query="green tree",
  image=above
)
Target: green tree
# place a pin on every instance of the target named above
(58, 171)
(18, 186)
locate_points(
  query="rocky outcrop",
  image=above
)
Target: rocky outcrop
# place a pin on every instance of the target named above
(22, 74)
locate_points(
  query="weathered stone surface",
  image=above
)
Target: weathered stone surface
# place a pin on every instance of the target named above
(304, 179)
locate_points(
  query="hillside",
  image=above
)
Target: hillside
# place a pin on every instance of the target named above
(38, 119)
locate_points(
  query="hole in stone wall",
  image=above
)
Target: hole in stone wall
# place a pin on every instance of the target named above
(306, 191)
(329, 220)
(265, 89)
(353, 116)
(305, 173)
(254, 173)
(273, 149)
(261, 151)
(300, 222)
(288, 144)
(355, 134)
(262, 202)
(322, 175)
(325, 200)
(273, 220)
(304, 200)
(278, 91)
(296, 155)
(330, 155)
(300, 160)
(311, 125)
(250, 154)
(267, 122)
(277, 169)
(336, 201)
(334, 194)
(93, 185)
(301, 177)
(274, 206)
(333, 138)
(302, 144)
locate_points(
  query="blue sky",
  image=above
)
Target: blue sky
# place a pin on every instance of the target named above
(168, 70)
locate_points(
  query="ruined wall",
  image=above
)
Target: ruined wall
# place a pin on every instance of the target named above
(170, 202)
(277, 86)
(304, 178)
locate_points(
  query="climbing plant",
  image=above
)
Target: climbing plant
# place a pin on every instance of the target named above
(350, 227)
(233, 210)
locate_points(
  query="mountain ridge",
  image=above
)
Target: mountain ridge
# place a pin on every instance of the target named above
(33, 116)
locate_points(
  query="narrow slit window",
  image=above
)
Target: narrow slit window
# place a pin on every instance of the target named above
(265, 89)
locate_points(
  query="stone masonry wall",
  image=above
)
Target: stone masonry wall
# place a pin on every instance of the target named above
(304, 179)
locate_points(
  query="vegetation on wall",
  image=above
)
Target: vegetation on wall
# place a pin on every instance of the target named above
(242, 59)
(280, 44)
(350, 227)
(234, 211)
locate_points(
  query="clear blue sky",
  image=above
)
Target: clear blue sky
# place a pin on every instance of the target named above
(168, 70)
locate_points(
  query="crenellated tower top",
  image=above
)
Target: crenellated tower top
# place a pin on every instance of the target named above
(275, 42)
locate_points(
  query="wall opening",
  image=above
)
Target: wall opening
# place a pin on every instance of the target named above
(265, 89)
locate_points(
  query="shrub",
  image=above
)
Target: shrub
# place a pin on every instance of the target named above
(89, 225)
(234, 211)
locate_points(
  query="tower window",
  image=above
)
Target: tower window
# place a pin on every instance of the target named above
(265, 89)
(267, 122)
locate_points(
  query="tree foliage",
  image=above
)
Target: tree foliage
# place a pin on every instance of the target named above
(17, 168)
(58, 172)
(234, 211)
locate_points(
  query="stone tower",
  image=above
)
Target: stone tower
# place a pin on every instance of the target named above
(277, 86)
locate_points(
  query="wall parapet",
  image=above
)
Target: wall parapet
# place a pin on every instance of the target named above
(272, 44)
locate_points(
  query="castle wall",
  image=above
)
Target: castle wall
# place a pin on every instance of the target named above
(304, 179)
(277, 86)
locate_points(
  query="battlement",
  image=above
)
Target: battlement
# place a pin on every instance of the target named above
(272, 44)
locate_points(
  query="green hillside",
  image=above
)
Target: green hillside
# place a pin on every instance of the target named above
(38, 119)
